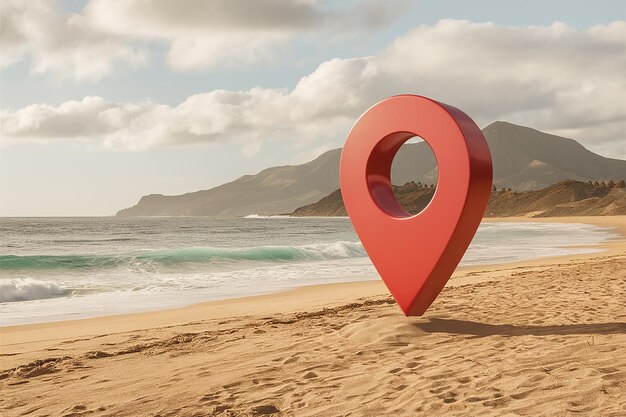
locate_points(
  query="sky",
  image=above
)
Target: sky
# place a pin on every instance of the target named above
(103, 101)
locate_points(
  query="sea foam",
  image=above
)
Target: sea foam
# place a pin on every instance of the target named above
(26, 289)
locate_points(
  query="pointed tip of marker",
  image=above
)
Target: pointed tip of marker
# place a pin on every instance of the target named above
(413, 310)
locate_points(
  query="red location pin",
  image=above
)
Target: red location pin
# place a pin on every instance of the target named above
(415, 254)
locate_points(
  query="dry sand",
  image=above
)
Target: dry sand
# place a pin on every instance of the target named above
(540, 338)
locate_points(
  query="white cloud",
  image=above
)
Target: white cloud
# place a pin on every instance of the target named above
(197, 34)
(62, 44)
(74, 119)
(554, 78)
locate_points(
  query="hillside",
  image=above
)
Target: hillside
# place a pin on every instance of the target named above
(523, 158)
(566, 198)
(272, 190)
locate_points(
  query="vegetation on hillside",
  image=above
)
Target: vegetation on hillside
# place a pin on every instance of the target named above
(566, 198)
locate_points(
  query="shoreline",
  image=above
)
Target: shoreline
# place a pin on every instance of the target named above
(295, 299)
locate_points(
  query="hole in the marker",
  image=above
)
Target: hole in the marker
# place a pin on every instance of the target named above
(409, 164)
(414, 175)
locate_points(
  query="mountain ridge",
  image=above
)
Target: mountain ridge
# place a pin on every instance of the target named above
(523, 158)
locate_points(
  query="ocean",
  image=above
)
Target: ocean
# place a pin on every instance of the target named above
(69, 268)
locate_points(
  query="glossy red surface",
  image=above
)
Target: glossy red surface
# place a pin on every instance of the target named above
(415, 254)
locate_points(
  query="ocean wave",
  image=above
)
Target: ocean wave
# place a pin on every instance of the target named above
(26, 289)
(273, 216)
(155, 259)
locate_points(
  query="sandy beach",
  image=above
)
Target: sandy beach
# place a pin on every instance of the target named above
(545, 337)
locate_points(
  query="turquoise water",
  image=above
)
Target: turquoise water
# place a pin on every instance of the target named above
(62, 268)
(171, 257)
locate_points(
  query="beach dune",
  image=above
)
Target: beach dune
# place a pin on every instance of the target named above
(542, 338)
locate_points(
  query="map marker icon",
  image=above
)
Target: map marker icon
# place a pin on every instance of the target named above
(415, 254)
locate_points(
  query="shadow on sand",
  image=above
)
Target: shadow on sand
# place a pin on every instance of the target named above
(435, 325)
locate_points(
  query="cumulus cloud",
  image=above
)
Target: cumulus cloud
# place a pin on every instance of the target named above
(57, 43)
(554, 78)
(197, 34)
